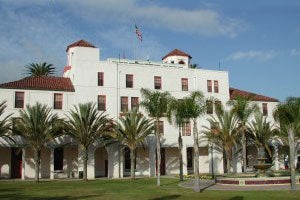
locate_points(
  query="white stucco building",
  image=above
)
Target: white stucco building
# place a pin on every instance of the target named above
(114, 84)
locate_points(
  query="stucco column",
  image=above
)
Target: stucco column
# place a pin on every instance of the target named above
(276, 158)
(52, 163)
(152, 156)
(23, 163)
(184, 158)
(113, 160)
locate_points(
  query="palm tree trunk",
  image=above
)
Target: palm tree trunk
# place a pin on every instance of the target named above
(292, 158)
(196, 157)
(85, 161)
(244, 151)
(158, 155)
(132, 163)
(228, 162)
(37, 160)
(180, 155)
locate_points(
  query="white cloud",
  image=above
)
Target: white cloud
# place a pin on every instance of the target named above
(27, 36)
(205, 22)
(253, 55)
(38, 31)
(295, 52)
(124, 40)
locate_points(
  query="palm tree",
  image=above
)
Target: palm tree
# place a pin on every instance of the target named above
(243, 108)
(132, 131)
(38, 126)
(224, 134)
(86, 125)
(40, 69)
(196, 107)
(261, 133)
(287, 115)
(178, 115)
(193, 66)
(156, 104)
(4, 123)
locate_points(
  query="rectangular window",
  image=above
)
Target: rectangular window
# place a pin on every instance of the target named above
(19, 99)
(218, 105)
(102, 102)
(160, 127)
(184, 84)
(129, 81)
(58, 101)
(265, 109)
(209, 86)
(209, 107)
(186, 129)
(124, 104)
(134, 103)
(58, 159)
(100, 78)
(216, 86)
(157, 82)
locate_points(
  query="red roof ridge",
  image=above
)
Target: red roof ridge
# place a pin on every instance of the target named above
(80, 43)
(50, 83)
(234, 93)
(177, 52)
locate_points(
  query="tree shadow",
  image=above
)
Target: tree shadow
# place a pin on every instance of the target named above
(15, 194)
(237, 198)
(175, 196)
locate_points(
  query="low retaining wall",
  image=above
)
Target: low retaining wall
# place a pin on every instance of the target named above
(256, 181)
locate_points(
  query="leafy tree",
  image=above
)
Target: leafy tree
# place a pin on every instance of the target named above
(224, 134)
(86, 125)
(132, 131)
(156, 104)
(40, 69)
(4, 123)
(38, 126)
(287, 115)
(261, 133)
(243, 108)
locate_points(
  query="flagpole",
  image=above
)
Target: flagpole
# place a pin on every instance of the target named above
(134, 49)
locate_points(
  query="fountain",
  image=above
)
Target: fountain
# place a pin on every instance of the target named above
(262, 166)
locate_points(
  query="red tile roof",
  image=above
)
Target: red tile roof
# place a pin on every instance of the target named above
(177, 52)
(80, 43)
(234, 93)
(49, 83)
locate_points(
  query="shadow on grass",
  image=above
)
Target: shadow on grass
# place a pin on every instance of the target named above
(15, 194)
(237, 198)
(166, 197)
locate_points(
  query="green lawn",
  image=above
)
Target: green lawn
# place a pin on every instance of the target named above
(125, 189)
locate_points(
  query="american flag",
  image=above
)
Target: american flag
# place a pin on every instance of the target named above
(138, 33)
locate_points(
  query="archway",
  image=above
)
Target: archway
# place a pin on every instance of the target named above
(101, 162)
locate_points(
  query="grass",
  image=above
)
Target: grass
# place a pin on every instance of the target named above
(124, 189)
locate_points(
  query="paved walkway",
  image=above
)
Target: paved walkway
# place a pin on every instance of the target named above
(210, 185)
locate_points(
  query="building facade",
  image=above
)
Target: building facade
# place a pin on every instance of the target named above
(114, 85)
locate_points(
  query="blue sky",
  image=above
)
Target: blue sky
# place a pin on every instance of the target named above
(258, 42)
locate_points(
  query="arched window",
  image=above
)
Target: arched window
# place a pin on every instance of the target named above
(181, 62)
